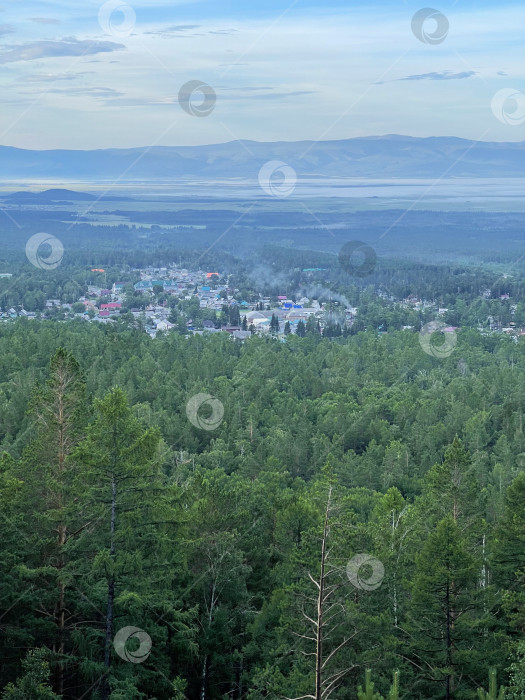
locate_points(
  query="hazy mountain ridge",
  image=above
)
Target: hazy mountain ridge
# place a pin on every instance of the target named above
(373, 157)
(56, 196)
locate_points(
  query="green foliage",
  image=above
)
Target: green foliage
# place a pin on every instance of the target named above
(217, 532)
(34, 684)
(516, 685)
(492, 693)
(368, 692)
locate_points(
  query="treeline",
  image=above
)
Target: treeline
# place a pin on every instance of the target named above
(357, 504)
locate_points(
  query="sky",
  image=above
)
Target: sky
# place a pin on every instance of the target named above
(83, 74)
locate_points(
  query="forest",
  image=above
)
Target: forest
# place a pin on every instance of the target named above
(197, 518)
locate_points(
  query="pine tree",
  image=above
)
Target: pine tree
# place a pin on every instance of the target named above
(443, 596)
(452, 488)
(394, 689)
(132, 524)
(58, 410)
(493, 689)
(368, 692)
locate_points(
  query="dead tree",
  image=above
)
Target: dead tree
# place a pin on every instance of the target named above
(329, 616)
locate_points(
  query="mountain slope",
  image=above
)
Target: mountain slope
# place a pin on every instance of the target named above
(373, 157)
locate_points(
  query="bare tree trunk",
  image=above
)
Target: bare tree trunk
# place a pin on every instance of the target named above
(59, 416)
(204, 678)
(320, 608)
(449, 680)
(321, 620)
(211, 608)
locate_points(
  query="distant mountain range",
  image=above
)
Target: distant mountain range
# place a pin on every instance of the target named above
(56, 196)
(370, 157)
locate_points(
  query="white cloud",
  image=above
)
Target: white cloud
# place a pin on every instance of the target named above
(319, 74)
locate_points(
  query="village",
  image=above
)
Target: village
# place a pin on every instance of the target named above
(151, 301)
(211, 305)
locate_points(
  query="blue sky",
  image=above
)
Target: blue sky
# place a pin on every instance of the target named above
(73, 77)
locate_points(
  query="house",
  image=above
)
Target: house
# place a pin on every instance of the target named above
(301, 313)
(111, 306)
(255, 317)
(241, 335)
(164, 325)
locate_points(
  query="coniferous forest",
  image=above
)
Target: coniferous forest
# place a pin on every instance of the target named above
(262, 350)
(344, 518)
